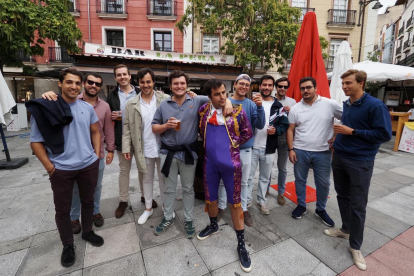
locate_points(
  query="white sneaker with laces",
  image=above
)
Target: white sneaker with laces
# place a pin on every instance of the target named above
(144, 217)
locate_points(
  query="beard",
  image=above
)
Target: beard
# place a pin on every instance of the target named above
(264, 95)
(90, 94)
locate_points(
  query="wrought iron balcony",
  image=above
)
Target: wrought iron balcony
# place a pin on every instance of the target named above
(398, 51)
(112, 9)
(406, 45)
(341, 18)
(304, 11)
(59, 54)
(22, 55)
(401, 31)
(162, 8)
(409, 24)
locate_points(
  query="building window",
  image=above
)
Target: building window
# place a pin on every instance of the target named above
(115, 38)
(300, 3)
(163, 41)
(333, 47)
(211, 44)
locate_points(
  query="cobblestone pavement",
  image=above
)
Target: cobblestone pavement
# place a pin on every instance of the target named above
(278, 244)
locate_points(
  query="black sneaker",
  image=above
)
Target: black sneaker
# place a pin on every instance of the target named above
(94, 239)
(323, 215)
(245, 262)
(68, 256)
(207, 232)
(298, 212)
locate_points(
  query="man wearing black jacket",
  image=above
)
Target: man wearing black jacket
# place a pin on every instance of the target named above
(266, 140)
(117, 100)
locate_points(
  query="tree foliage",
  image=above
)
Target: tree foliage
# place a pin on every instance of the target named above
(254, 31)
(25, 24)
(374, 56)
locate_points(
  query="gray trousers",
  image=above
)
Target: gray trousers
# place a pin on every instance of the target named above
(187, 173)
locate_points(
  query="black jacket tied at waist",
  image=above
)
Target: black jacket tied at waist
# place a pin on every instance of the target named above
(51, 117)
(189, 158)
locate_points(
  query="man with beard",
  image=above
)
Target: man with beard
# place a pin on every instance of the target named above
(92, 84)
(309, 137)
(266, 140)
(256, 116)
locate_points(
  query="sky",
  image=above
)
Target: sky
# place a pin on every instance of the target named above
(385, 4)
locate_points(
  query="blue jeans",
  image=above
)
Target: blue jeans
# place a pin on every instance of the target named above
(265, 162)
(75, 209)
(321, 163)
(246, 189)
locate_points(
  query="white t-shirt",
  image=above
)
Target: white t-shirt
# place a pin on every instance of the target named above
(152, 142)
(314, 123)
(260, 135)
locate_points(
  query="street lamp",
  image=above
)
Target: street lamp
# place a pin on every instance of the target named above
(362, 6)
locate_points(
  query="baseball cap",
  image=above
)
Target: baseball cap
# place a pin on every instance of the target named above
(244, 77)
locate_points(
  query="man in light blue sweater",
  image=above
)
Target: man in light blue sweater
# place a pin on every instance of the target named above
(255, 113)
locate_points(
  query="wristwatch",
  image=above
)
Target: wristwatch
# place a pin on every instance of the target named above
(354, 132)
(290, 149)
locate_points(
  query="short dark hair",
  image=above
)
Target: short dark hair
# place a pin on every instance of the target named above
(281, 80)
(266, 77)
(87, 74)
(212, 84)
(72, 71)
(177, 74)
(121, 66)
(141, 73)
(305, 79)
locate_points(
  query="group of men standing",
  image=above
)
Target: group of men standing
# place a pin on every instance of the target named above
(238, 134)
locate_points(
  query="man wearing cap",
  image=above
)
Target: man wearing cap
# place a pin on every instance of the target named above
(256, 116)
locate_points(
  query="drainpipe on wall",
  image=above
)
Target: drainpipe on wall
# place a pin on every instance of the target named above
(89, 21)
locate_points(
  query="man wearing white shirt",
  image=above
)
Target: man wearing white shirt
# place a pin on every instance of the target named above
(309, 137)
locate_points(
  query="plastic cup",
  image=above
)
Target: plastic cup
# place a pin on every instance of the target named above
(178, 127)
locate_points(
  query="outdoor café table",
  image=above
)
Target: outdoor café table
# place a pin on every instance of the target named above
(398, 126)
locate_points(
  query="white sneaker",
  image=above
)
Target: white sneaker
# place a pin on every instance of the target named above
(144, 217)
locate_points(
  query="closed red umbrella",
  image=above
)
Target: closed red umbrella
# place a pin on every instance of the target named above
(307, 60)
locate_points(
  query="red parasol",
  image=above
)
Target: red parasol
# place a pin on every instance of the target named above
(307, 60)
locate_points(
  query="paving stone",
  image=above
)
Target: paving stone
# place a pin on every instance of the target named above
(372, 241)
(43, 257)
(186, 259)
(397, 257)
(112, 222)
(75, 273)
(9, 263)
(384, 224)
(15, 245)
(392, 209)
(331, 251)
(403, 171)
(12, 180)
(48, 221)
(377, 170)
(322, 270)
(7, 196)
(407, 238)
(129, 265)
(119, 241)
(389, 178)
(408, 190)
(109, 205)
(374, 268)
(383, 166)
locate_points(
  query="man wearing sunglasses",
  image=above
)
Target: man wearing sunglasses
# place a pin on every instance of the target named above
(257, 119)
(309, 139)
(282, 85)
(92, 84)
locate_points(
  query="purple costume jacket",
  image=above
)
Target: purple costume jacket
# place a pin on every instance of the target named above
(222, 152)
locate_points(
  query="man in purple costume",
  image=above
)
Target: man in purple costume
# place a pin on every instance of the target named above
(222, 137)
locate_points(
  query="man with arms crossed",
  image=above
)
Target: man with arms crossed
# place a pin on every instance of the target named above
(308, 138)
(77, 162)
(366, 124)
(255, 114)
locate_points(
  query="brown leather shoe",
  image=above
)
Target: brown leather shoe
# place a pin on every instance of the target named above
(281, 199)
(121, 209)
(154, 204)
(248, 220)
(98, 220)
(76, 227)
(220, 214)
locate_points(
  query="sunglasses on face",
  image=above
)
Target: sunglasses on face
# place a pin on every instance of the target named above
(282, 86)
(98, 84)
(303, 88)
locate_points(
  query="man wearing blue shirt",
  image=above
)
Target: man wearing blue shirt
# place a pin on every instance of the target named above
(257, 119)
(77, 162)
(366, 124)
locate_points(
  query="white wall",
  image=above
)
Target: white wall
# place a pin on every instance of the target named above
(370, 30)
(188, 36)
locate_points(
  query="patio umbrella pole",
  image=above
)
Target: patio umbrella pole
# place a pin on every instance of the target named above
(8, 164)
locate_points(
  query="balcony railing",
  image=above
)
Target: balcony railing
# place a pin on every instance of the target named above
(409, 22)
(341, 17)
(59, 54)
(401, 31)
(406, 45)
(22, 55)
(398, 51)
(329, 65)
(304, 11)
(73, 6)
(111, 6)
(408, 61)
(208, 53)
(162, 7)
